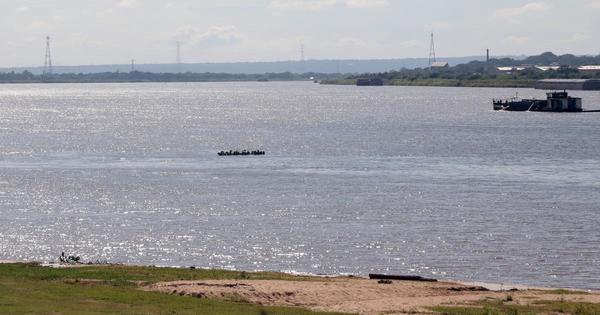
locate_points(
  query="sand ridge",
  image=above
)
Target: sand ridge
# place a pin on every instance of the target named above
(353, 295)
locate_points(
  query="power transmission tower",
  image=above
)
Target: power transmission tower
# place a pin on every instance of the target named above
(487, 60)
(48, 59)
(302, 58)
(178, 59)
(432, 57)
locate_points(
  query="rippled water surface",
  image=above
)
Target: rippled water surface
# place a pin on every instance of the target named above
(425, 181)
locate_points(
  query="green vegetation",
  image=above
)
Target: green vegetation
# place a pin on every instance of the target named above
(472, 74)
(510, 307)
(137, 76)
(124, 273)
(482, 74)
(495, 82)
(507, 82)
(546, 58)
(32, 289)
(566, 292)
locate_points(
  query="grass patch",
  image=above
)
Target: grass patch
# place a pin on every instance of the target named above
(497, 307)
(32, 289)
(121, 273)
(566, 292)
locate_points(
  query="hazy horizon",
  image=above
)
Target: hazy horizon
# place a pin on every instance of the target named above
(116, 31)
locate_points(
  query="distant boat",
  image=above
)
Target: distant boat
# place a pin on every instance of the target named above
(241, 153)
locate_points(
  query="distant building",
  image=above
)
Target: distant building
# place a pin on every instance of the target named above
(525, 67)
(510, 69)
(568, 84)
(440, 65)
(589, 68)
(548, 68)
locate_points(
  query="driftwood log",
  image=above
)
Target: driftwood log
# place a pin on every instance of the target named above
(401, 278)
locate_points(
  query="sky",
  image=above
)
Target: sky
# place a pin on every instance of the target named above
(116, 31)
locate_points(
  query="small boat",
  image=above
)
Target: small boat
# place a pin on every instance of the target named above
(241, 153)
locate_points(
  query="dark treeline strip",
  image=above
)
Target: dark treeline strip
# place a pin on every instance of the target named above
(547, 58)
(136, 76)
(458, 74)
(481, 73)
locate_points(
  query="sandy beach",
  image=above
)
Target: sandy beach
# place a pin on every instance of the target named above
(364, 296)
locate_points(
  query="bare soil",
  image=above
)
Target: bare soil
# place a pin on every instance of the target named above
(362, 296)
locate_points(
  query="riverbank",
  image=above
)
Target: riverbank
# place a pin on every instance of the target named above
(148, 77)
(521, 83)
(117, 289)
(364, 296)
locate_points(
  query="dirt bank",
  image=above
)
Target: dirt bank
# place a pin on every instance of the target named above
(354, 295)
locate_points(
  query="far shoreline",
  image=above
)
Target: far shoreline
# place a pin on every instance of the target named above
(526, 84)
(448, 83)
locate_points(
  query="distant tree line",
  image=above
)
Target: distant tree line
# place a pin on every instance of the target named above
(481, 70)
(471, 71)
(549, 58)
(136, 76)
(457, 73)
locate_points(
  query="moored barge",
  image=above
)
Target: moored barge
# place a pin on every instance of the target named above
(554, 102)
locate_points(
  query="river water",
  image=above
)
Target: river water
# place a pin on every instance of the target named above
(408, 180)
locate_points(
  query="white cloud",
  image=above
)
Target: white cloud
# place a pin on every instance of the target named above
(273, 29)
(177, 6)
(304, 5)
(594, 4)
(409, 43)
(577, 37)
(212, 37)
(532, 7)
(219, 35)
(127, 4)
(366, 3)
(516, 40)
(320, 5)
